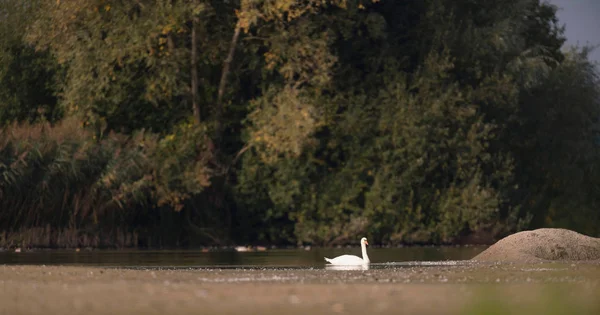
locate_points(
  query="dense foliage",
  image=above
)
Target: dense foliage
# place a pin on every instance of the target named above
(188, 122)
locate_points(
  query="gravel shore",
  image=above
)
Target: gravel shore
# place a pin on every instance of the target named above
(458, 289)
(543, 245)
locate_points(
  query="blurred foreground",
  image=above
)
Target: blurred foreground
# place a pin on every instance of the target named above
(449, 289)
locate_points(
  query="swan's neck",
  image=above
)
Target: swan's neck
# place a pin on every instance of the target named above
(364, 253)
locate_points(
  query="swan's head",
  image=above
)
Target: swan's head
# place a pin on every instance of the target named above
(364, 241)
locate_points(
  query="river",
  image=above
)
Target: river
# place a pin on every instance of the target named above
(298, 258)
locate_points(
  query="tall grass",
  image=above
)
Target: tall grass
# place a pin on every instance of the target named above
(60, 186)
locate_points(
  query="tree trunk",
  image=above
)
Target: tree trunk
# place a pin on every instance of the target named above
(194, 68)
(224, 74)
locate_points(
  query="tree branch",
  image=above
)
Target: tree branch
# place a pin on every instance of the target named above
(194, 69)
(224, 74)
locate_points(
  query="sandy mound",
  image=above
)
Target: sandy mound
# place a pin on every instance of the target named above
(543, 245)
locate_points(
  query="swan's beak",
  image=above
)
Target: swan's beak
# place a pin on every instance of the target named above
(366, 243)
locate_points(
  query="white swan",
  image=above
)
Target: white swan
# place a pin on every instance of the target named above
(351, 260)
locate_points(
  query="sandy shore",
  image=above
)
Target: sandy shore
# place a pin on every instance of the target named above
(547, 289)
(543, 245)
(530, 284)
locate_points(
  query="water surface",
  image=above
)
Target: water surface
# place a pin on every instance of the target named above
(291, 258)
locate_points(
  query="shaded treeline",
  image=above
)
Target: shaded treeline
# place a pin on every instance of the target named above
(199, 122)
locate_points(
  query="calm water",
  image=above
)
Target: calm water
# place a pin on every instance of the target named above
(270, 258)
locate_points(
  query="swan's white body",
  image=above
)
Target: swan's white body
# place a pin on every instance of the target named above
(351, 260)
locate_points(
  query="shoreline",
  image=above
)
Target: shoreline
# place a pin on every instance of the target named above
(234, 248)
(28, 289)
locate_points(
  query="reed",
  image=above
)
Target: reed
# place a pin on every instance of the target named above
(60, 186)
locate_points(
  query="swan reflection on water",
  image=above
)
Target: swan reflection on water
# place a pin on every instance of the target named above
(347, 267)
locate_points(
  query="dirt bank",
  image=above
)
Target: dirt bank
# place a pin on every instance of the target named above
(536, 289)
(543, 245)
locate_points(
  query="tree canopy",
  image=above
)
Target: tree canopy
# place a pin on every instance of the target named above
(294, 121)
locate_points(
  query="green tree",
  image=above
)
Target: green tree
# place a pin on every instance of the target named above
(557, 144)
(287, 121)
(28, 78)
(125, 59)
